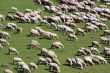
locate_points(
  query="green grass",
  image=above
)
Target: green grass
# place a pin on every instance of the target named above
(21, 40)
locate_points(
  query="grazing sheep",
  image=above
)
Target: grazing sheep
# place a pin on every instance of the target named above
(44, 51)
(69, 61)
(94, 50)
(54, 67)
(9, 17)
(16, 60)
(1, 47)
(26, 69)
(88, 59)
(107, 53)
(85, 51)
(7, 71)
(95, 43)
(90, 29)
(42, 60)
(14, 9)
(33, 65)
(55, 60)
(106, 32)
(33, 44)
(80, 31)
(95, 60)
(57, 45)
(11, 49)
(72, 36)
(4, 42)
(34, 32)
(2, 17)
(18, 30)
(80, 60)
(4, 34)
(51, 54)
(102, 59)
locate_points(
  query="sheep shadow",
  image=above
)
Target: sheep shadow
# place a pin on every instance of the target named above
(19, 71)
(65, 64)
(38, 54)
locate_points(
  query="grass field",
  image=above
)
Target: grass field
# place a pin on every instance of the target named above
(21, 40)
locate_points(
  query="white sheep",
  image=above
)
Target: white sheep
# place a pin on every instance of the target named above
(7, 71)
(11, 49)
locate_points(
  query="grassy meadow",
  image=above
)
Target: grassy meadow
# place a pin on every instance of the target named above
(20, 41)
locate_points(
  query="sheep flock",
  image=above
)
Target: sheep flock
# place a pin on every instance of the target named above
(58, 36)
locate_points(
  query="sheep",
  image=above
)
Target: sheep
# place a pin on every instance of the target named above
(49, 60)
(103, 26)
(33, 44)
(55, 60)
(33, 65)
(4, 42)
(95, 60)
(13, 25)
(106, 32)
(93, 49)
(103, 40)
(9, 27)
(42, 60)
(28, 10)
(102, 59)
(90, 29)
(53, 36)
(26, 69)
(107, 53)
(95, 43)
(34, 32)
(2, 17)
(80, 60)
(85, 51)
(1, 25)
(54, 67)
(20, 14)
(51, 54)
(69, 61)
(1, 47)
(88, 59)
(7, 71)
(44, 51)
(16, 60)
(14, 9)
(4, 34)
(53, 25)
(81, 51)
(18, 30)
(57, 45)
(80, 31)
(79, 65)
(72, 36)
(11, 49)
(9, 17)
